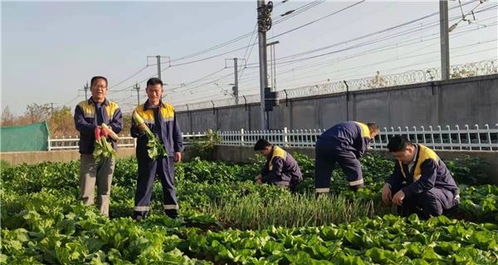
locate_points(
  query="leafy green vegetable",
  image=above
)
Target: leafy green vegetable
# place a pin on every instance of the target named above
(155, 148)
(102, 148)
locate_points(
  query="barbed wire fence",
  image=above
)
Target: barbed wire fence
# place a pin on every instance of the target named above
(481, 68)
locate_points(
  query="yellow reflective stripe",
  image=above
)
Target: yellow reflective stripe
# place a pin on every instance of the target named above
(424, 154)
(356, 182)
(87, 109)
(277, 152)
(111, 109)
(141, 208)
(170, 207)
(167, 112)
(365, 132)
(147, 115)
(322, 190)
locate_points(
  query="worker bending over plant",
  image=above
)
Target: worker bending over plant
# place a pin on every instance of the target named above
(342, 144)
(280, 169)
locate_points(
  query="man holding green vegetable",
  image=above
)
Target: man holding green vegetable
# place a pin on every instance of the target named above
(159, 146)
(98, 120)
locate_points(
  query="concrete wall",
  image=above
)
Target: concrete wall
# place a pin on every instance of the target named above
(17, 158)
(460, 101)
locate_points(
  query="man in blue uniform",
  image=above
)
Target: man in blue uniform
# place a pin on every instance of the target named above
(343, 144)
(161, 119)
(421, 183)
(280, 169)
(88, 115)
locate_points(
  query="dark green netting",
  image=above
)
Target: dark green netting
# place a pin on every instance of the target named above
(33, 137)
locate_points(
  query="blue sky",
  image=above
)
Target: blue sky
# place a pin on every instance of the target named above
(50, 49)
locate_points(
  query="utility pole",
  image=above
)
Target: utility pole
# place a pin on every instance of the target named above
(158, 63)
(271, 99)
(51, 109)
(236, 81)
(273, 65)
(86, 89)
(137, 88)
(235, 84)
(158, 57)
(264, 24)
(445, 40)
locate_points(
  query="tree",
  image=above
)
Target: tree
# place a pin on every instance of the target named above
(38, 113)
(61, 122)
(126, 124)
(8, 119)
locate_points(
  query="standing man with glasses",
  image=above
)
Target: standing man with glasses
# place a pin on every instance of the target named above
(90, 115)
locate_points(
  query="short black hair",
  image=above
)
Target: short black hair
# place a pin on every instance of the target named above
(372, 126)
(398, 143)
(261, 144)
(154, 81)
(97, 77)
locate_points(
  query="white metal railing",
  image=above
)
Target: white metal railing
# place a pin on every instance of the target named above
(445, 138)
(190, 137)
(71, 143)
(62, 143)
(467, 138)
(439, 138)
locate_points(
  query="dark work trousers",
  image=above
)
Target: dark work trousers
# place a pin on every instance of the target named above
(430, 203)
(326, 158)
(147, 170)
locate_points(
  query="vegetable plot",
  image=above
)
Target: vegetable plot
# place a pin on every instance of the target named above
(226, 219)
(52, 227)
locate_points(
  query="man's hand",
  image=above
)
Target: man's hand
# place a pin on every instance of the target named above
(178, 157)
(398, 197)
(386, 194)
(259, 179)
(141, 127)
